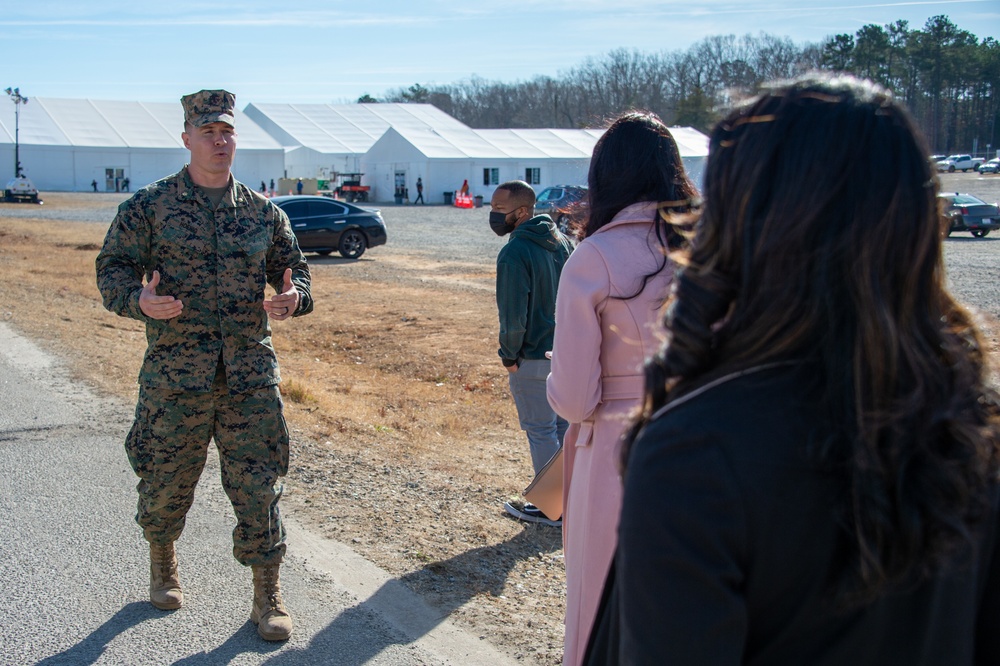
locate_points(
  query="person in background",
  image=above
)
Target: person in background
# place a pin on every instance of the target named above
(263, 188)
(606, 326)
(208, 246)
(464, 190)
(420, 192)
(528, 269)
(93, 184)
(813, 477)
(298, 186)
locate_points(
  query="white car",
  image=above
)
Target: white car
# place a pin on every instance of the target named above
(993, 166)
(953, 163)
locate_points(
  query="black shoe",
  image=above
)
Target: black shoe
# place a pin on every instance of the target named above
(530, 514)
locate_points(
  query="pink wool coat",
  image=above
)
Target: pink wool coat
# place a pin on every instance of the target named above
(597, 356)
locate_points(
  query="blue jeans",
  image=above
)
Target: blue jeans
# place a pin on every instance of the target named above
(544, 428)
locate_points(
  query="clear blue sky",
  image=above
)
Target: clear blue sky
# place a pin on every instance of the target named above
(335, 51)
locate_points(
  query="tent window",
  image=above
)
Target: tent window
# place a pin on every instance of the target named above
(533, 176)
(491, 176)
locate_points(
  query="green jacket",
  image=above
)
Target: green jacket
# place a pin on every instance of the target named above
(528, 269)
(218, 263)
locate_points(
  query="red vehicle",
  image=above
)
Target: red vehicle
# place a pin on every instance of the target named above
(350, 187)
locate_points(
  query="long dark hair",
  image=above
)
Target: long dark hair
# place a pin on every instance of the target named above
(820, 239)
(636, 160)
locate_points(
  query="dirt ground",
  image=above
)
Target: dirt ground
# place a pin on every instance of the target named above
(405, 439)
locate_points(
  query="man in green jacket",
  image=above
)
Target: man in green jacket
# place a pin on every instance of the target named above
(207, 246)
(528, 269)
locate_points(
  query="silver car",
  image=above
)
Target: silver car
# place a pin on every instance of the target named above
(990, 167)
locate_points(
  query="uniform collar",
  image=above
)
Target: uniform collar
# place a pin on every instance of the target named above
(233, 198)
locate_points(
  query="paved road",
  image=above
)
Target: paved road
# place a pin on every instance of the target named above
(74, 567)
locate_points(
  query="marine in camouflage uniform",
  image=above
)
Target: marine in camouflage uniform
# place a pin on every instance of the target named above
(210, 371)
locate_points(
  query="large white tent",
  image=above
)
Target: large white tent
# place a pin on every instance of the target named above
(444, 159)
(321, 140)
(65, 144)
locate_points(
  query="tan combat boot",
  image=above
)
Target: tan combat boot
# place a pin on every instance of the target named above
(164, 584)
(269, 612)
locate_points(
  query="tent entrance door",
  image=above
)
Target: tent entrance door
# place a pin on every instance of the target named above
(400, 191)
(113, 177)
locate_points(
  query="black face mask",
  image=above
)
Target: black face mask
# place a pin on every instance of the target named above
(499, 223)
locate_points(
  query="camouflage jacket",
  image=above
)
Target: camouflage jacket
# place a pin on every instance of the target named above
(217, 263)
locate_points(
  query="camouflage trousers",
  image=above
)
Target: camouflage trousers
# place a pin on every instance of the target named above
(168, 446)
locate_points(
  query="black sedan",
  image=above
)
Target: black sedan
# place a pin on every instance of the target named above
(967, 213)
(324, 225)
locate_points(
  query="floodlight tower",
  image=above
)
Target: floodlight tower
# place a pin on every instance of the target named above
(18, 99)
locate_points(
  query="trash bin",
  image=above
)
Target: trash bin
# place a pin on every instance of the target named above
(447, 198)
(479, 200)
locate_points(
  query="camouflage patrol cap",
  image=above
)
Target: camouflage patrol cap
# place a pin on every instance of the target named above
(209, 106)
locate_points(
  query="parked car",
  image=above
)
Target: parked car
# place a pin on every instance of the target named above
(562, 203)
(993, 166)
(968, 213)
(324, 225)
(953, 163)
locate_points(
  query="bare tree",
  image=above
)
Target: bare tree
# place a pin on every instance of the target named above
(948, 79)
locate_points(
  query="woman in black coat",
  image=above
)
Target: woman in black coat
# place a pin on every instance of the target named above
(813, 477)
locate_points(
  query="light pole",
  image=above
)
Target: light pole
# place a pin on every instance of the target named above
(15, 95)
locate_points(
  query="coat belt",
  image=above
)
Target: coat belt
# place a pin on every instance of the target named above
(625, 387)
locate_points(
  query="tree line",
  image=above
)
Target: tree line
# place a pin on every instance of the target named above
(947, 77)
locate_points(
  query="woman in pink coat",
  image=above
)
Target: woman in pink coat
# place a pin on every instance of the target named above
(606, 312)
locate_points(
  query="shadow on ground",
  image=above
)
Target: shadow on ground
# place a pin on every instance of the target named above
(469, 576)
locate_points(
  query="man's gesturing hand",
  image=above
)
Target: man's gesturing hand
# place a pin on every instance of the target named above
(282, 306)
(158, 307)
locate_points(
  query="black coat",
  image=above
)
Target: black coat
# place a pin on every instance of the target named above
(728, 540)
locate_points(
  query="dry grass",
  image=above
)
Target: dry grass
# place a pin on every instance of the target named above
(405, 440)
(369, 360)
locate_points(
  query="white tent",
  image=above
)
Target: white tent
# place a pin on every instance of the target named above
(321, 140)
(65, 144)
(443, 159)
